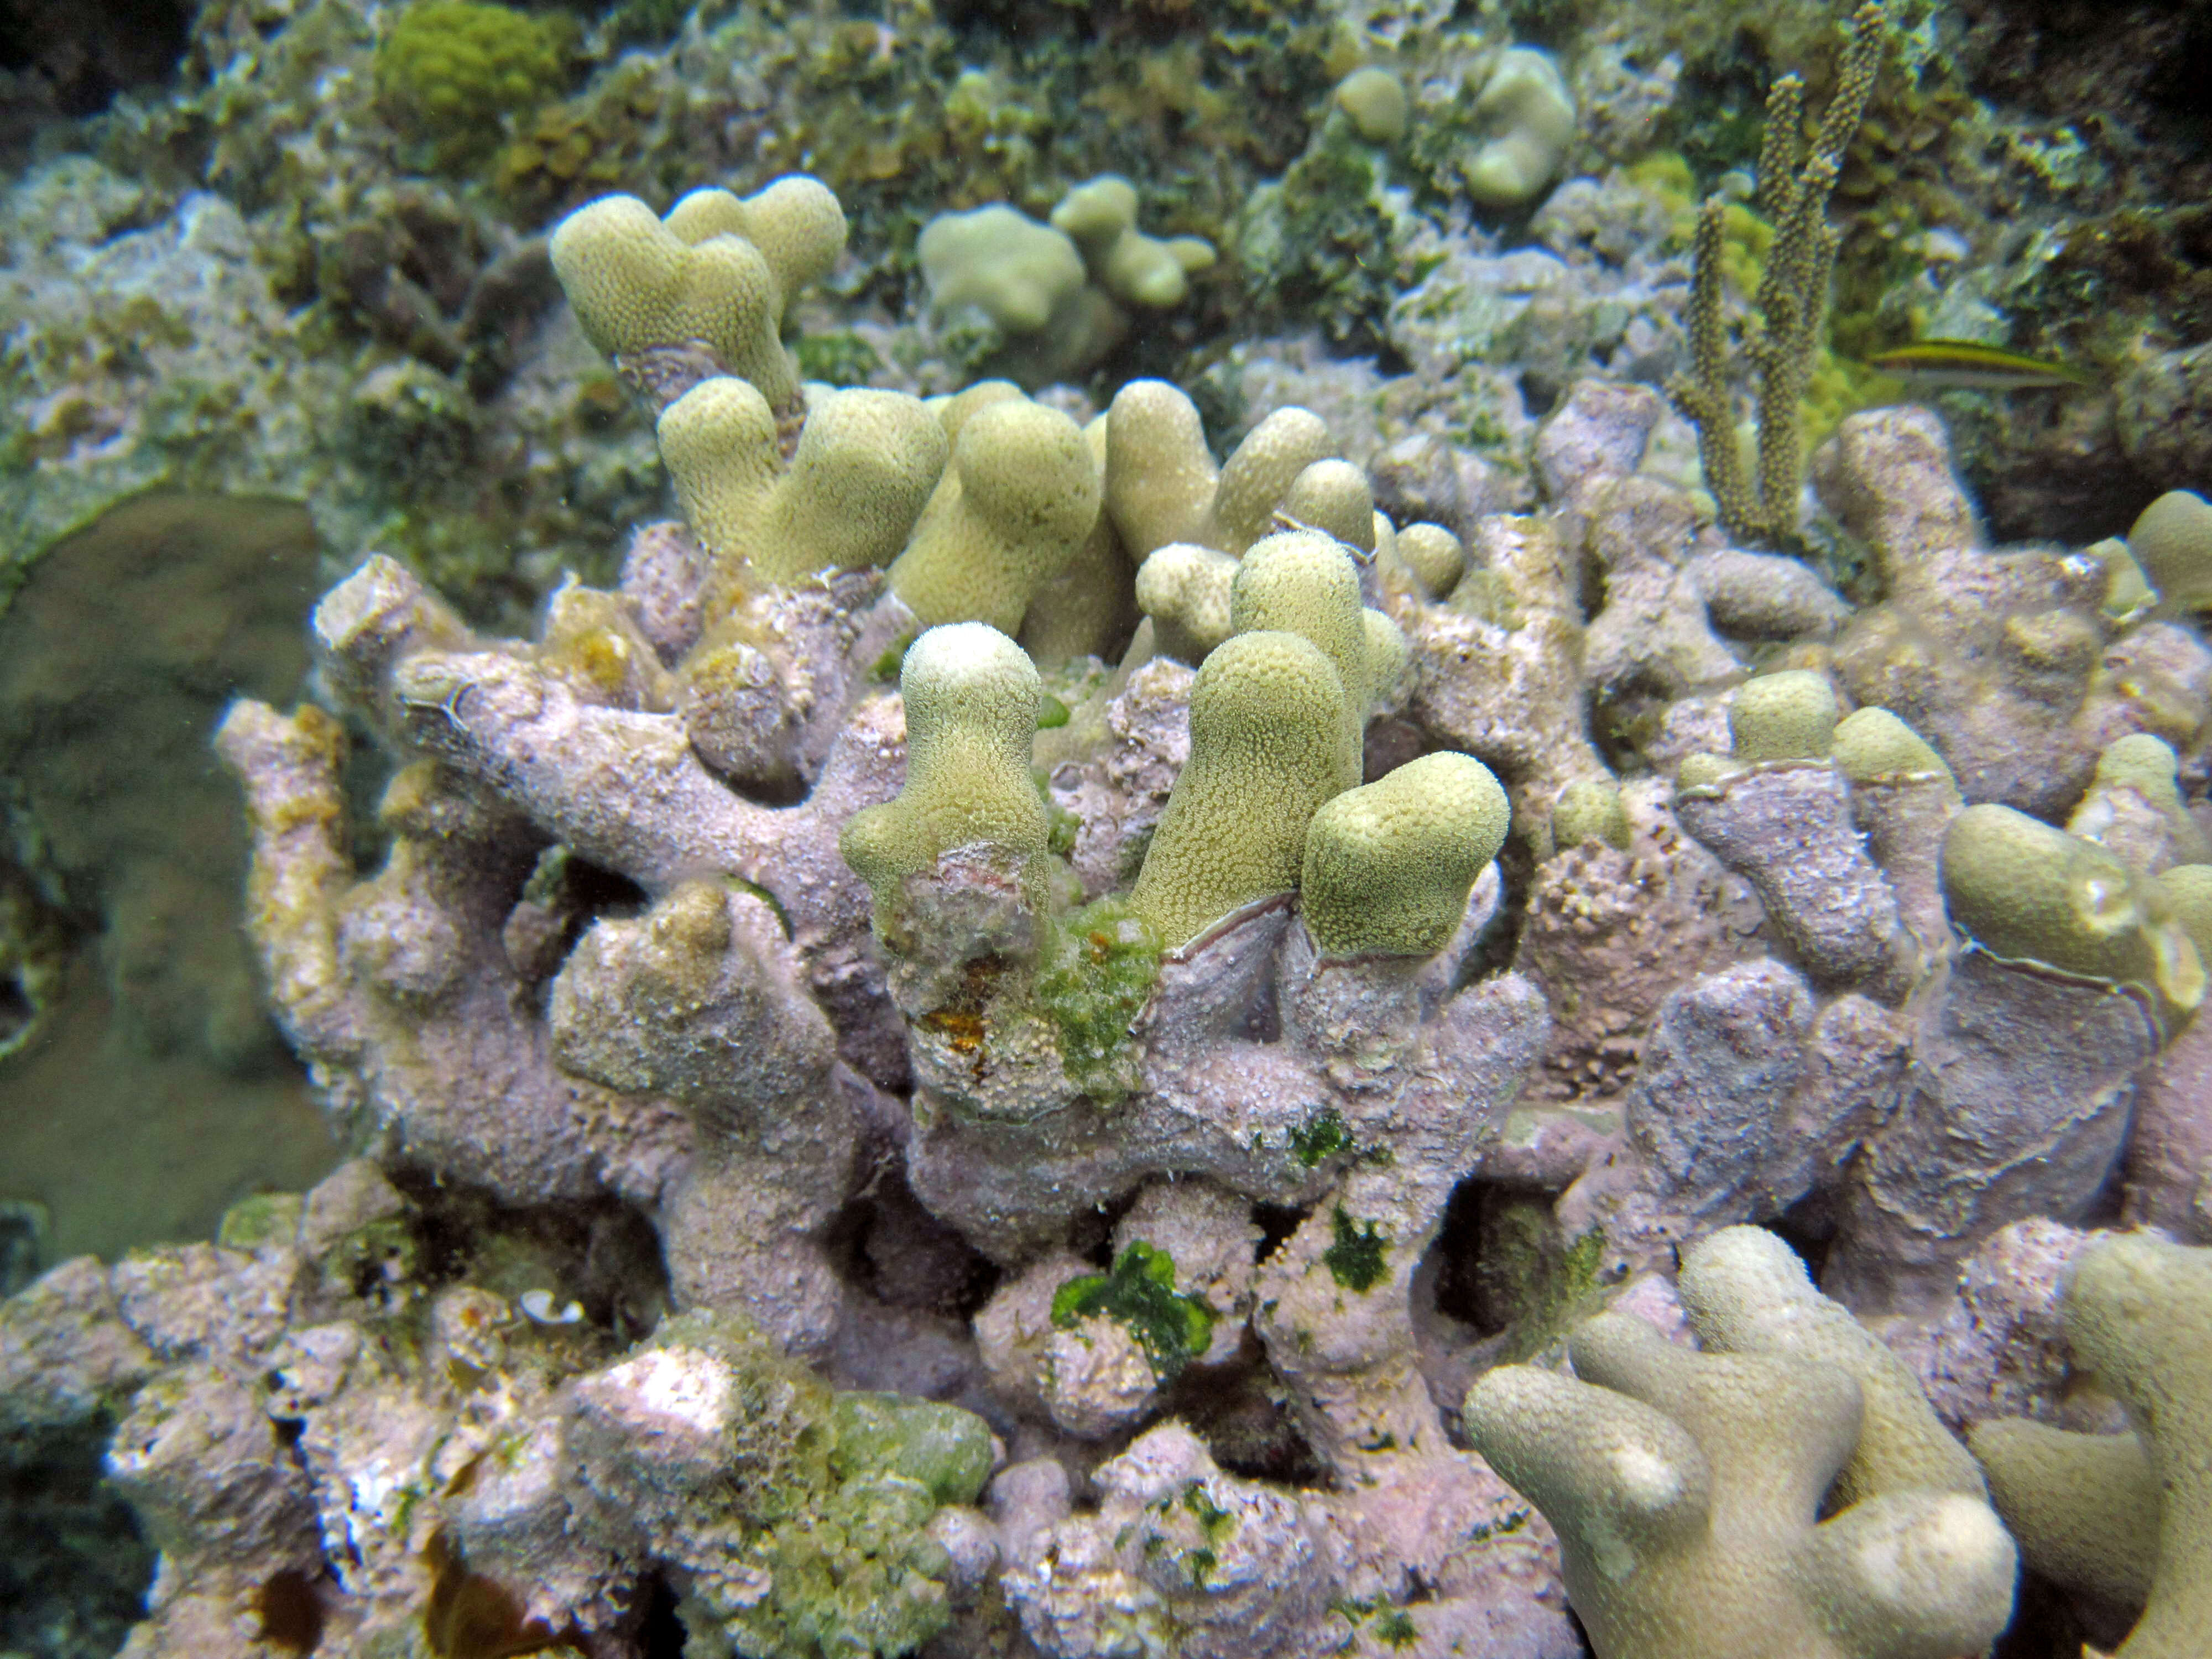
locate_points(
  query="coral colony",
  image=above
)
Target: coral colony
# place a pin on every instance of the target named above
(889, 1121)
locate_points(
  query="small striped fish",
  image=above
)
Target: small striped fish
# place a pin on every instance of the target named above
(1972, 364)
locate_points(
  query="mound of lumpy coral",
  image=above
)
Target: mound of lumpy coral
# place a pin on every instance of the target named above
(978, 1057)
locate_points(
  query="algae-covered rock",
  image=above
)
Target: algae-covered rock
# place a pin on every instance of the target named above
(802, 1511)
(451, 71)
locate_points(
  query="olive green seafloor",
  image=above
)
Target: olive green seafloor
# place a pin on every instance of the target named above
(147, 1090)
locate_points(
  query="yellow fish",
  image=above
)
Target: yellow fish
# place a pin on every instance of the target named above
(1972, 364)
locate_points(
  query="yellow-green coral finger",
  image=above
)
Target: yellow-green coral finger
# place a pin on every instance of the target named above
(795, 221)
(1159, 478)
(1872, 745)
(1022, 494)
(1785, 716)
(1387, 866)
(717, 441)
(1305, 583)
(2084, 1506)
(971, 698)
(1266, 716)
(2024, 891)
(636, 284)
(1256, 477)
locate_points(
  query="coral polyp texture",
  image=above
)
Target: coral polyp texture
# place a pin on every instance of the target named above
(705, 286)
(2122, 1518)
(1041, 1032)
(1688, 1488)
(1043, 303)
(971, 699)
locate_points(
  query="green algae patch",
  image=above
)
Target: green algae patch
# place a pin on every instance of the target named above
(840, 358)
(1320, 1138)
(884, 670)
(1097, 970)
(1316, 244)
(1396, 1629)
(1139, 1291)
(262, 1218)
(947, 1449)
(831, 1495)
(1357, 1259)
(1184, 1530)
(1062, 828)
(451, 72)
(1533, 1285)
(859, 1576)
(1390, 1626)
(1215, 1522)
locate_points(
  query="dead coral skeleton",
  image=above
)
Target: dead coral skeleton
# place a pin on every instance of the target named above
(686, 914)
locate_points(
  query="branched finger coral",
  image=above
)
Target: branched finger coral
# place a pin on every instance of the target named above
(971, 699)
(1686, 1488)
(1388, 866)
(1147, 271)
(2124, 1516)
(1019, 497)
(1266, 714)
(862, 471)
(858, 946)
(702, 291)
